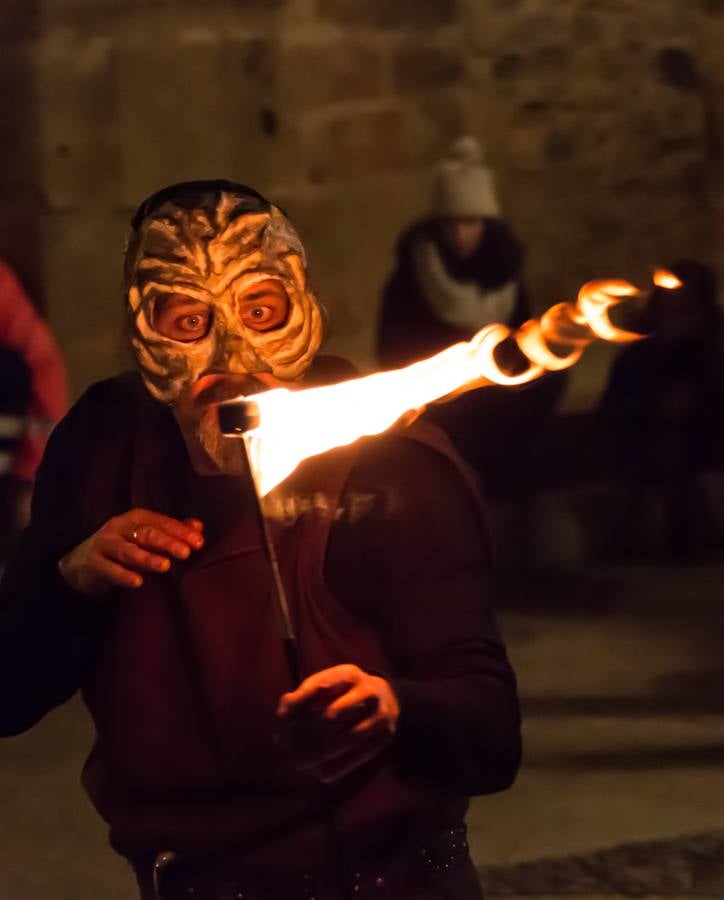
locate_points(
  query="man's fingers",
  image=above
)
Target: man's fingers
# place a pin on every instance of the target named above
(153, 538)
(352, 703)
(140, 520)
(116, 575)
(133, 556)
(322, 687)
(311, 697)
(140, 540)
(368, 724)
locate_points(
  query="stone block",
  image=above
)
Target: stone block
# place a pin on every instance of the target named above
(20, 20)
(176, 113)
(417, 67)
(508, 67)
(258, 60)
(59, 12)
(440, 118)
(559, 146)
(527, 148)
(390, 138)
(671, 118)
(82, 261)
(501, 28)
(261, 125)
(315, 74)
(350, 231)
(388, 14)
(18, 122)
(677, 67)
(76, 92)
(589, 26)
(354, 143)
(541, 76)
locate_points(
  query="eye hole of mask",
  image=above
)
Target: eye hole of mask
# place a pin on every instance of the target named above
(264, 306)
(181, 318)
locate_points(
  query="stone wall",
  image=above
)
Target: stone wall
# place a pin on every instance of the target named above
(604, 120)
(601, 117)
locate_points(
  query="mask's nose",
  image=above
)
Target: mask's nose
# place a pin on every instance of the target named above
(237, 356)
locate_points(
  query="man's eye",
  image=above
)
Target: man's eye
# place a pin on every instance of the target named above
(260, 315)
(191, 324)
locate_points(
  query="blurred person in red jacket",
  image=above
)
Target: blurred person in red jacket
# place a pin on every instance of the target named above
(23, 330)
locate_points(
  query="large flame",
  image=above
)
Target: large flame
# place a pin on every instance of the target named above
(296, 424)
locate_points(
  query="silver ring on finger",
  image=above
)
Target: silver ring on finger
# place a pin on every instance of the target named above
(133, 536)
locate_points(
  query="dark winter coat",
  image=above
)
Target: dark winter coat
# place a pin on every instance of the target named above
(408, 329)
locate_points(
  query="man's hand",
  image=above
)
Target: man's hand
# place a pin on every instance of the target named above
(127, 545)
(337, 720)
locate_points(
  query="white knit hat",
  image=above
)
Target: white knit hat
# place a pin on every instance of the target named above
(463, 185)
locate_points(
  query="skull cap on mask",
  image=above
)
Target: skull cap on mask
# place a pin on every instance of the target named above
(213, 240)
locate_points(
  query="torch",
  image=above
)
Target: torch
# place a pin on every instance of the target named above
(282, 427)
(238, 419)
(279, 428)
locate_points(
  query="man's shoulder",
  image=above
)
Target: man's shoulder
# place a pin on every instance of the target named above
(121, 392)
(419, 459)
(124, 387)
(109, 406)
(415, 483)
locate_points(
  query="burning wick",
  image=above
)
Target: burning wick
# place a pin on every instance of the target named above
(281, 427)
(667, 280)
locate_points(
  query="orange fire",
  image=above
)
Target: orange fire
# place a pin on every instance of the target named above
(296, 424)
(668, 280)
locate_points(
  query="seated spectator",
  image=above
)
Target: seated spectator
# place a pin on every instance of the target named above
(458, 270)
(662, 413)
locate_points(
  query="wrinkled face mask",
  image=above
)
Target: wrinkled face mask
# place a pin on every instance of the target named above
(222, 255)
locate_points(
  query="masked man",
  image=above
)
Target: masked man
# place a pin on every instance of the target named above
(141, 581)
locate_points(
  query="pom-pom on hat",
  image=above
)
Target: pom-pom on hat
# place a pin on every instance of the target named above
(463, 185)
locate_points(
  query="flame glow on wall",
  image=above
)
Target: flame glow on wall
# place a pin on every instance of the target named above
(296, 424)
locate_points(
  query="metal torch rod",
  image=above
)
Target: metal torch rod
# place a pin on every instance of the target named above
(279, 594)
(293, 657)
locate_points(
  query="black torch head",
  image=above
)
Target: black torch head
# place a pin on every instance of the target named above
(236, 417)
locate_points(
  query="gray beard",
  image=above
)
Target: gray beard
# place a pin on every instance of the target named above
(227, 453)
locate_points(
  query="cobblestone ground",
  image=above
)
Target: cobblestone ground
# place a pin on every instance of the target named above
(621, 791)
(688, 866)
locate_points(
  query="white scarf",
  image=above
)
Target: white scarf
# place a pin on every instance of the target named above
(459, 303)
